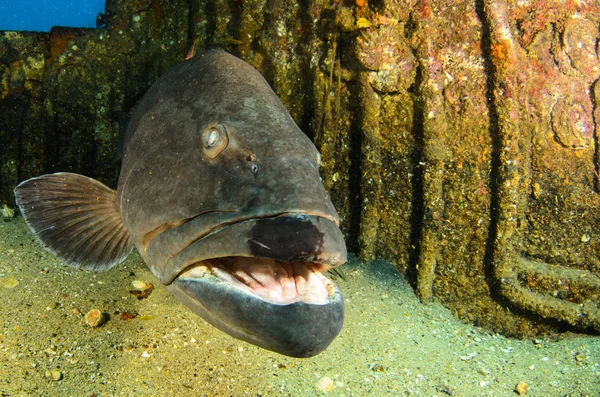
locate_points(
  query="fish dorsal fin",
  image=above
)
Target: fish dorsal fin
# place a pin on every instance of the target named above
(76, 218)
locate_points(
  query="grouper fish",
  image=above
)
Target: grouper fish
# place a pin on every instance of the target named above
(220, 193)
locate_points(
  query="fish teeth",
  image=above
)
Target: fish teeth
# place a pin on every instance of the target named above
(250, 281)
(287, 281)
(274, 281)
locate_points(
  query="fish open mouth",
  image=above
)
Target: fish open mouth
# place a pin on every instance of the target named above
(273, 281)
(269, 288)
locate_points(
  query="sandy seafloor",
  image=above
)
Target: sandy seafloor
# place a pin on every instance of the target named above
(391, 344)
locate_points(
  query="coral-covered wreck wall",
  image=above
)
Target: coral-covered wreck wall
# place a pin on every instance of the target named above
(460, 139)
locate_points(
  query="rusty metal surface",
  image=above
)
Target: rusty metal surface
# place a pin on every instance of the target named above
(502, 157)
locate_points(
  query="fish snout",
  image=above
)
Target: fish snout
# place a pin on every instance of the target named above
(298, 238)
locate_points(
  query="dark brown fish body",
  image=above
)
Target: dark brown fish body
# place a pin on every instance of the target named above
(220, 193)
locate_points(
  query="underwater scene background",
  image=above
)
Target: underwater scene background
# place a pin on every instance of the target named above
(458, 144)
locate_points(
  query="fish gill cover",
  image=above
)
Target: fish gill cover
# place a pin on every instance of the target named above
(41, 15)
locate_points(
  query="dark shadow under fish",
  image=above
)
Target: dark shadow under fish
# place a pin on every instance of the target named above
(220, 193)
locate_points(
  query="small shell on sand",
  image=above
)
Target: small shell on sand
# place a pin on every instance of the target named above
(94, 318)
(325, 384)
(139, 284)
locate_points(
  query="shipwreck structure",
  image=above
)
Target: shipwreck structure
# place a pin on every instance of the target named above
(459, 139)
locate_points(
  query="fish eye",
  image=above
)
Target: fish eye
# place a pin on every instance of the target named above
(211, 138)
(214, 140)
(254, 168)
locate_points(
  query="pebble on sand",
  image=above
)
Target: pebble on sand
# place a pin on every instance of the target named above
(9, 282)
(521, 388)
(54, 375)
(7, 212)
(94, 318)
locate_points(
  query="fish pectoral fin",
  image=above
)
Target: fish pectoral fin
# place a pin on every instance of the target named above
(76, 218)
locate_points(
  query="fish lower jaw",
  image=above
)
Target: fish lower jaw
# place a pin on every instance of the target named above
(276, 282)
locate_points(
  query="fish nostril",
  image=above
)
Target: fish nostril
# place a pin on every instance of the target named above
(251, 158)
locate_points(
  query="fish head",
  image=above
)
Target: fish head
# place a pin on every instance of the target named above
(221, 193)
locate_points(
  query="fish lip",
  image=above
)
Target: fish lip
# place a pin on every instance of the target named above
(148, 237)
(224, 225)
(297, 329)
